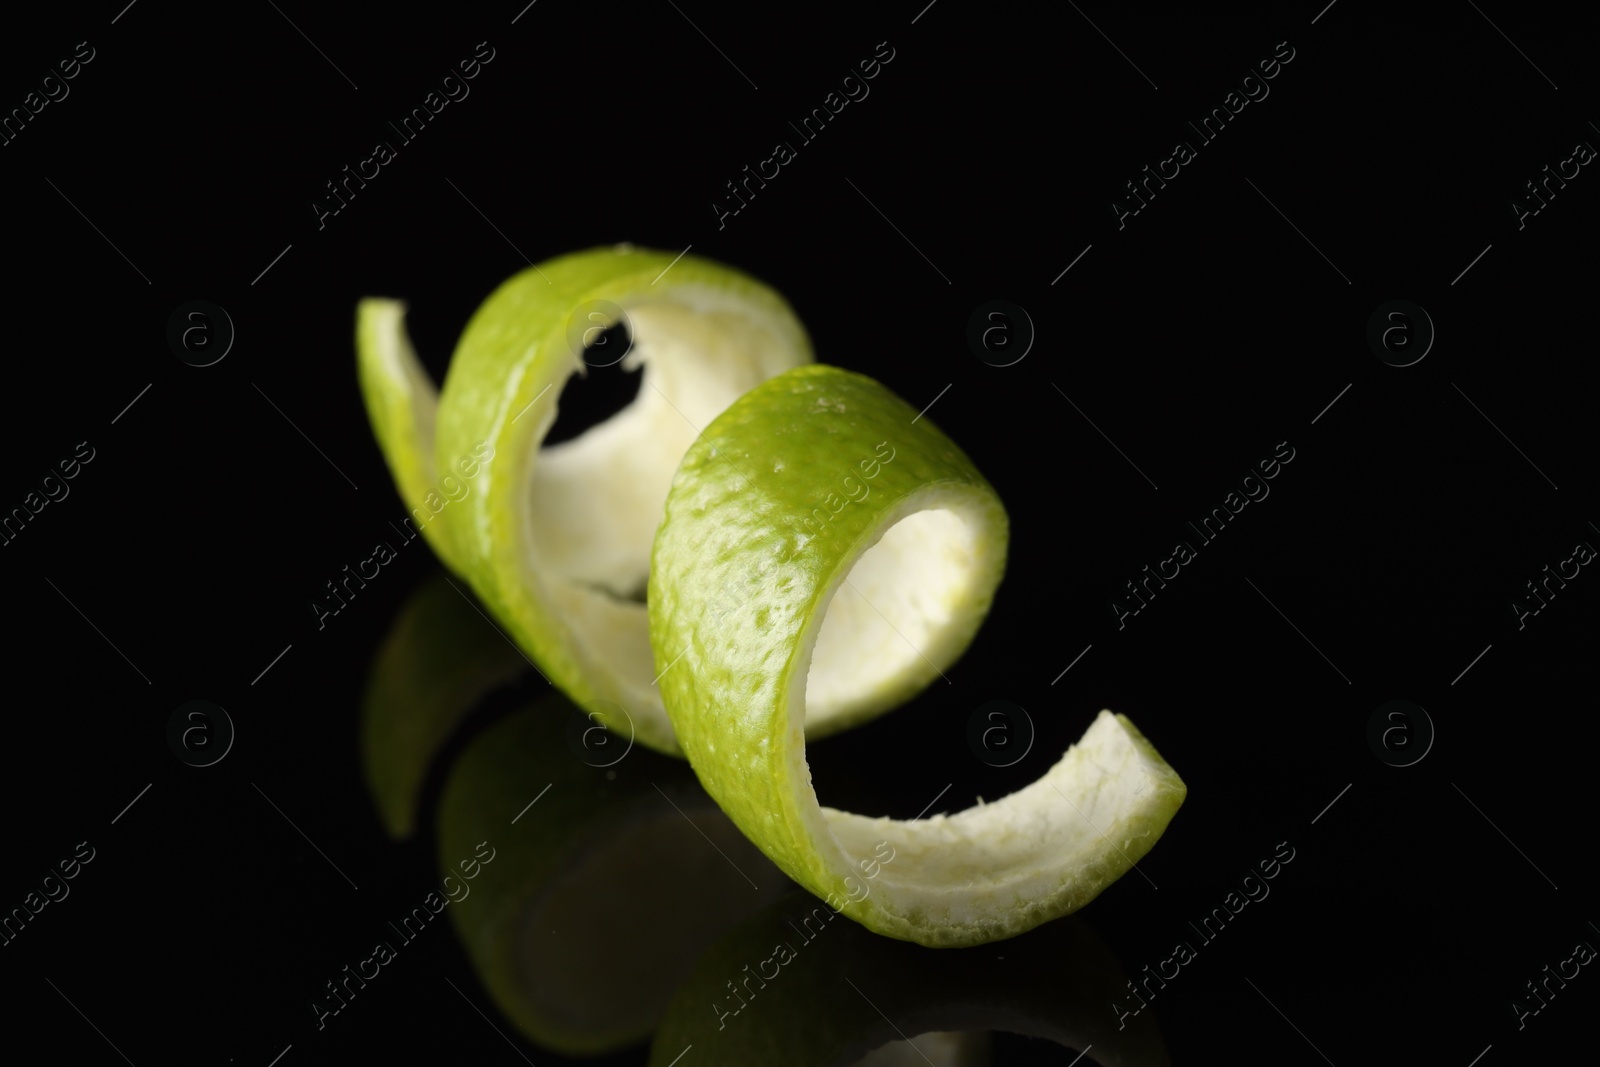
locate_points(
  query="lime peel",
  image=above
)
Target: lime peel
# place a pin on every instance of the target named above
(923, 549)
(402, 406)
(550, 537)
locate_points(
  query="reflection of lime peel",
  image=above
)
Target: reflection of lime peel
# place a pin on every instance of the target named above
(784, 954)
(549, 920)
(940, 1048)
(1050, 983)
(439, 658)
(551, 528)
(924, 552)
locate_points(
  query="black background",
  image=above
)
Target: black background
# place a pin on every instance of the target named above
(1219, 321)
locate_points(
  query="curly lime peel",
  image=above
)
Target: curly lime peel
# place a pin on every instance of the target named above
(552, 536)
(845, 618)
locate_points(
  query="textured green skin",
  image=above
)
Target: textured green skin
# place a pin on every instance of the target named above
(439, 658)
(732, 519)
(496, 776)
(1053, 982)
(402, 420)
(514, 347)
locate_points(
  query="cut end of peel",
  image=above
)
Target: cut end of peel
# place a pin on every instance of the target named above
(999, 869)
(402, 405)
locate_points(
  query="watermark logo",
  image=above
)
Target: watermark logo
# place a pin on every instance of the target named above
(50, 889)
(55, 489)
(592, 333)
(1251, 488)
(596, 736)
(1543, 589)
(200, 733)
(1251, 888)
(1551, 981)
(1251, 87)
(200, 333)
(853, 88)
(1000, 733)
(1000, 333)
(451, 88)
(52, 88)
(811, 926)
(1400, 333)
(1400, 733)
(855, 487)
(344, 987)
(1540, 191)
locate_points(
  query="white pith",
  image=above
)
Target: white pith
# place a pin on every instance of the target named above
(983, 865)
(886, 617)
(592, 504)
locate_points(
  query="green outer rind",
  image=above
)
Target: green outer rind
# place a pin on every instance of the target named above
(729, 696)
(730, 521)
(786, 440)
(513, 350)
(402, 404)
